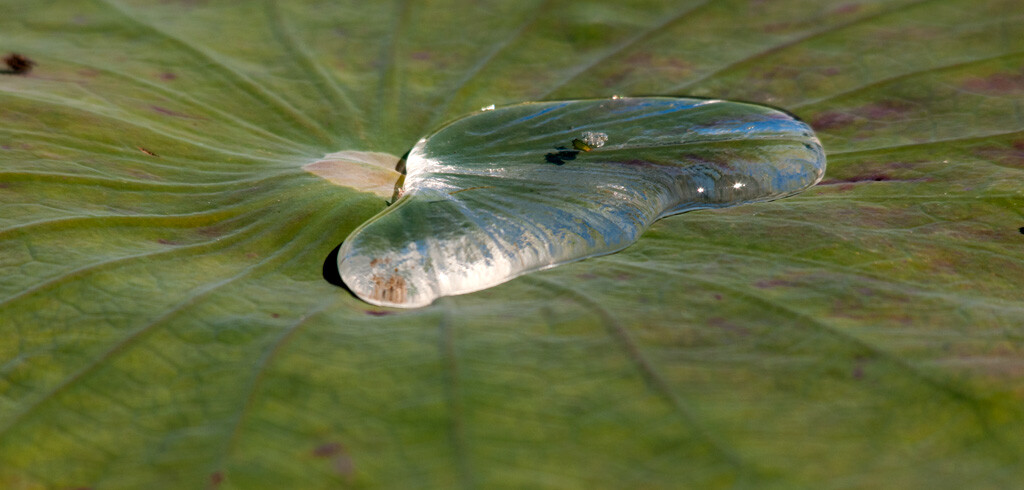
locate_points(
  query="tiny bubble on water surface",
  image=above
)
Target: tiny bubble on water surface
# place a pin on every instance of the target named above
(594, 139)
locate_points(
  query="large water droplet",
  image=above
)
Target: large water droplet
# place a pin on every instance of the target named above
(504, 192)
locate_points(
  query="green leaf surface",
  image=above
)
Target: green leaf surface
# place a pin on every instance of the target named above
(165, 323)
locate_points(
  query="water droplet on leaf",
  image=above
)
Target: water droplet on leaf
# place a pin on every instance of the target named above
(483, 203)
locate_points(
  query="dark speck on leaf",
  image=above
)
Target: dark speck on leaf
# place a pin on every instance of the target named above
(339, 457)
(1021, 230)
(143, 150)
(832, 120)
(17, 64)
(328, 449)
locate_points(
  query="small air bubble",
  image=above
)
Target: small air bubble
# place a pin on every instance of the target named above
(487, 108)
(595, 140)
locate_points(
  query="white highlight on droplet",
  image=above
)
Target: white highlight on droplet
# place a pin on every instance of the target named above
(738, 185)
(700, 190)
(487, 108)
(616, 97)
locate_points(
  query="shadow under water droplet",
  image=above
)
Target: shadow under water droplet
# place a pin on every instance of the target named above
(563, 155)
(331, 273)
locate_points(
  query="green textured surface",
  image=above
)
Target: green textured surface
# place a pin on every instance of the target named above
(164, 322)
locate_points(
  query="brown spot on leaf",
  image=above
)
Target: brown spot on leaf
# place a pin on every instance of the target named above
(275, 315)
(1012, 156)
(344, 466)
(210, 231)
(858, 370)
(846, 9)
(340, 460)
(168, 76)
(724, 324)
(150, 153)
(831, 120)
(997, 83)
(644, 63)
(776, 72)
(17, 64)
(770, 283)
(776, 27)
(169, 112)
(328, 449)
(639, 58)
(616, 78)
(216, 478)
(377, 312)
(885, 109)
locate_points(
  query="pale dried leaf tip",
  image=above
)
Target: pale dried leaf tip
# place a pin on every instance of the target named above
(363, 170)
